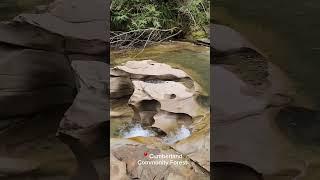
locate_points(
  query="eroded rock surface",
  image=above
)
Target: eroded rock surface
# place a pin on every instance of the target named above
(163, 98)
(130, 151)
(249, 93)
(197, 146)
(45, 63)
(160, 91)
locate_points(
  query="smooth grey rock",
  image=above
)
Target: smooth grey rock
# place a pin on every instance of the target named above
(149, 68)
(92, 30)
(33, 80)
(77, 11)
(89, 111)
(29, 36)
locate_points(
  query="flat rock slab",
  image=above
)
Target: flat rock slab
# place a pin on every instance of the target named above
(92, 30)
(147, 68)
(29, 36)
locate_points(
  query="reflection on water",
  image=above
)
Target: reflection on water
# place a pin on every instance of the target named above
(287, 31)
(11, 8)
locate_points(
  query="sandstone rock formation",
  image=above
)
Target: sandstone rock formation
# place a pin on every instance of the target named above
(159, 95)
(52, 63)
(164, 98)
(127, 153)
(197, 146)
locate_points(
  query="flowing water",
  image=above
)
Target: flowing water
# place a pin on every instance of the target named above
(193, 59)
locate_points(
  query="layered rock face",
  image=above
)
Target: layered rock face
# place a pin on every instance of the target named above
(54, 67)
(163, 98)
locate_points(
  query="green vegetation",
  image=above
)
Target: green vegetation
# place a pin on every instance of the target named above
(186, 15)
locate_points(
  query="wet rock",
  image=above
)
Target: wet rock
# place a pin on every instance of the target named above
(197, 146)
(162, 100)
(165, 121)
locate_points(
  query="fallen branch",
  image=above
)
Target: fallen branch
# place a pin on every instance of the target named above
(141, 38)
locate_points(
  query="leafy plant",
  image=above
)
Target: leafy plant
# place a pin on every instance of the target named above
(128, 15)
